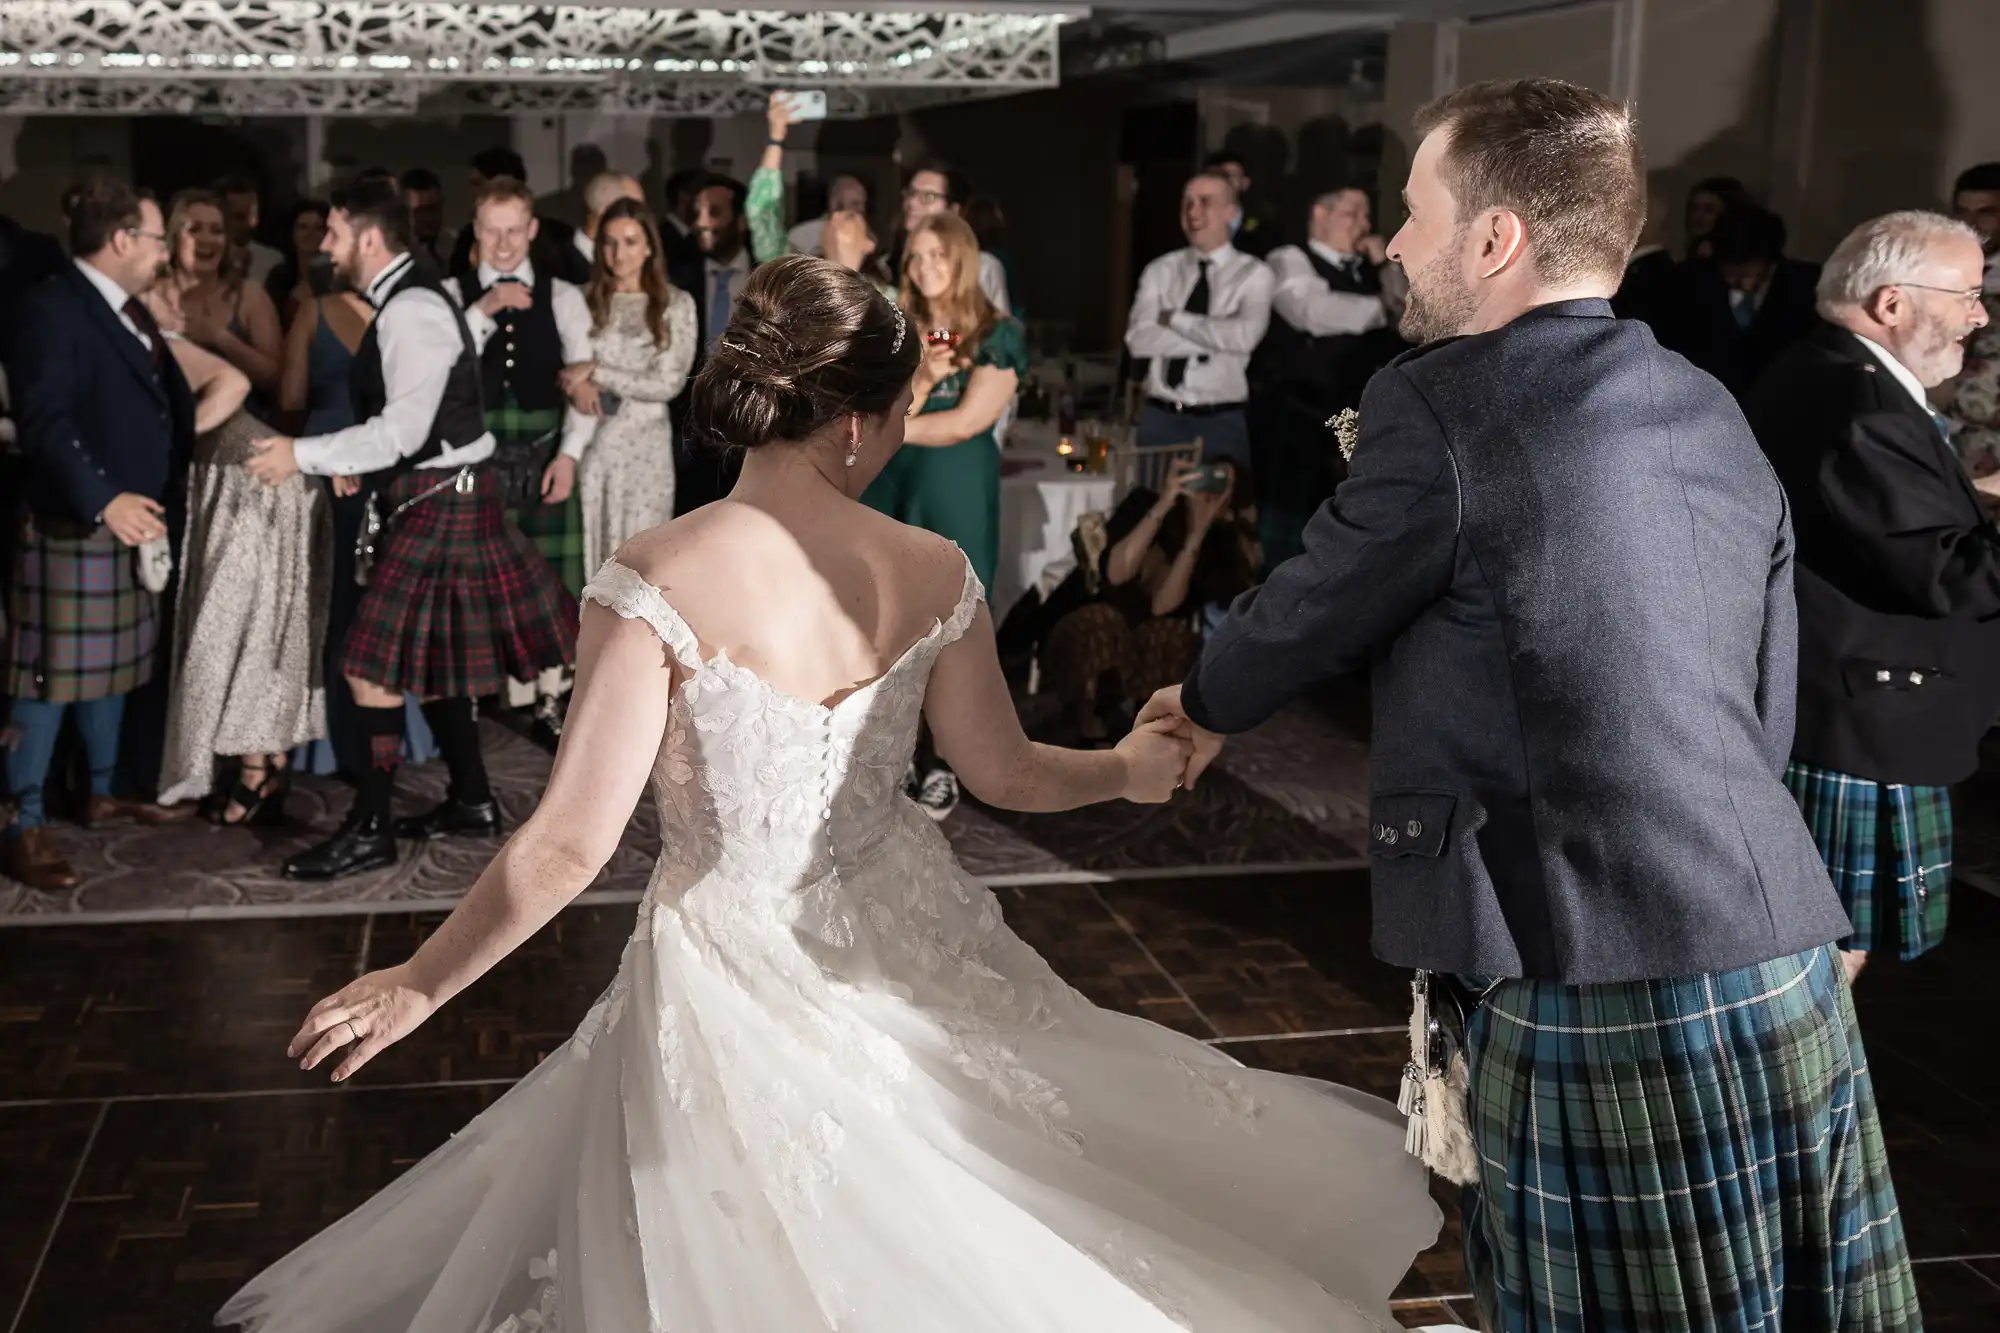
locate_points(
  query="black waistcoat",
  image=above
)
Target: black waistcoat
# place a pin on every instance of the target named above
(461, 416)
(1326, 372)
(524, 356)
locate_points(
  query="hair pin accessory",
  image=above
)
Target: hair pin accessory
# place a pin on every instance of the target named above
(902, 328)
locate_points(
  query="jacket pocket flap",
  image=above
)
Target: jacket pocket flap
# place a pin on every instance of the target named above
(1409, 823)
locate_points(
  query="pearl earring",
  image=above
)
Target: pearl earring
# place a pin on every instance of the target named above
(854, 449)
(853, 457)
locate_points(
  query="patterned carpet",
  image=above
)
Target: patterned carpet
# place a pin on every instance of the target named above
(1292, 794)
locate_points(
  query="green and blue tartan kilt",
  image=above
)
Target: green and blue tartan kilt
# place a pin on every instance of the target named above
(526, 442)
(1694, 1154)
(1852, 819)
(79, 625)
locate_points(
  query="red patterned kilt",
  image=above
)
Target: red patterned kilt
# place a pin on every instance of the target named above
(459, 602)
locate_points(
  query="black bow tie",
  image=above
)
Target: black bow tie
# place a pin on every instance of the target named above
(510, 277)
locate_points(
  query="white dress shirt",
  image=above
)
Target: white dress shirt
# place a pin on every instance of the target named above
(1217, 345)
(993, 282)
(805, 237)
(1307, 302)
(572, 327)
(114, 296)
(586, 247)
(261, 262)
(1899, 372)
(418, 338)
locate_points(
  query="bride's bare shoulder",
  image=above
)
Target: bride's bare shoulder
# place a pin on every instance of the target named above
(655, 554)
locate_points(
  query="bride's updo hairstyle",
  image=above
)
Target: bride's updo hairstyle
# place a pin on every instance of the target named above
(808, 343)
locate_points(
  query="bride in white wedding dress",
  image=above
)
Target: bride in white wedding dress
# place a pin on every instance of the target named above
(828, 1088)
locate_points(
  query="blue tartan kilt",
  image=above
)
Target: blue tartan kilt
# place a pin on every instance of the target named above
(80, 626)
(1693, 1154)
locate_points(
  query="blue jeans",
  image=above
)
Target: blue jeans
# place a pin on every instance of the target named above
(1223, 435)
(36, 726)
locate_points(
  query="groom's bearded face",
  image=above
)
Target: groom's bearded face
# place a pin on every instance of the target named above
(1441, 302)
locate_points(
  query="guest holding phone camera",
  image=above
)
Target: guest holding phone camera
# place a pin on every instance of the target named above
(946, 478)
(642, 340)
(1175, 562)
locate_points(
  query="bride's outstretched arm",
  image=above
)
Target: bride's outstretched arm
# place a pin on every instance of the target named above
(979, 734)
(617, 717)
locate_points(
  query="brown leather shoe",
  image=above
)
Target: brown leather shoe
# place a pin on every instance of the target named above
(105, 810)
(33, 859)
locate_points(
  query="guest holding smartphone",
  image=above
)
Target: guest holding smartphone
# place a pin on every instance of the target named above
(946, 478)
(1175, 561)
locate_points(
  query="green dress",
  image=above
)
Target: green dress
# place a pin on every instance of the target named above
(954, 489)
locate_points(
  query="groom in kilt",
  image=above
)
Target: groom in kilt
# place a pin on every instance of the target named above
(527, 326)
(1570, 568)
(106, 425)
(457, 602)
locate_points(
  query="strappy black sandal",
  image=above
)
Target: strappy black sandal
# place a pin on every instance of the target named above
(263, 805)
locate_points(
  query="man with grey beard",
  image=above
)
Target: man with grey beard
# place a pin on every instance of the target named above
(1570, 569)
(1898, 571)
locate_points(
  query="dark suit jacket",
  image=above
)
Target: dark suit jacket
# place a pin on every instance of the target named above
(1898, 569)
(1570, 568)
(703, 469)
(1655, 292)
(1706, 331)
(97, 417)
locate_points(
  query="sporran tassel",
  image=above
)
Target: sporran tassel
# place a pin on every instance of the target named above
(1435, 1093)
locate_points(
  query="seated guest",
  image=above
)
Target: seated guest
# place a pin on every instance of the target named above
(303, 275)
(1175, 562)
(1897, 573)
(1251, 232)
(1199, 314)
(554, 251)
(1746, 302)
(1708, 199)
(106, 420)
(1334, 311)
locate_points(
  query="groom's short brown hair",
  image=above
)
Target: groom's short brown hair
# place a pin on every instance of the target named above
(1565, 159)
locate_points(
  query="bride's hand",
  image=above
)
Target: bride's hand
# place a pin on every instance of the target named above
(369, 1015)
(1156, 756)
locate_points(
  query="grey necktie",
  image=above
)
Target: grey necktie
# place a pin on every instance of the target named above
(718, 308)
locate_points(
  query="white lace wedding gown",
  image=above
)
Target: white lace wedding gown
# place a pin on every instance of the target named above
(830, 1090)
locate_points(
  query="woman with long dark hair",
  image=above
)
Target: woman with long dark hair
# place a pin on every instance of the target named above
(642, 339)
(291, 283)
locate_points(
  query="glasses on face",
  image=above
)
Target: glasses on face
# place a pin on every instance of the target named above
(145, 235)
(1967, 296)
(924, 196)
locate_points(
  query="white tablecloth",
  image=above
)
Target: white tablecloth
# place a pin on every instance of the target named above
(1039, 509)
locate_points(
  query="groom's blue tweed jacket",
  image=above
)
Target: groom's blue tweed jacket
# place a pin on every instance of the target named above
(1570, 569)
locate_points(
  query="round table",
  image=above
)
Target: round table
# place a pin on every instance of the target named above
(1040, 503)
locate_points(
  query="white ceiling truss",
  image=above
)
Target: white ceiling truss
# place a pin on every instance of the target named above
(368, 57)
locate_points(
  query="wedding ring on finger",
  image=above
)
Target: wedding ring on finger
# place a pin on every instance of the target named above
(353, 1033)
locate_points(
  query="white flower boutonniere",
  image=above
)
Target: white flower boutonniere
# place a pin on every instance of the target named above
(1346, 427)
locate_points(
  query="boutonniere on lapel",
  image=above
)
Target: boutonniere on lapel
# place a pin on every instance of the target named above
(1346, 427)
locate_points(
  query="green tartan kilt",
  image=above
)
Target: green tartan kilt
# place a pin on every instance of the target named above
(1887, 849)
(1701, 1153)
(524, 444)
(80, 626)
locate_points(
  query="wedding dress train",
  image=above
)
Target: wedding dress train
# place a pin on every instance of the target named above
(829, 1089)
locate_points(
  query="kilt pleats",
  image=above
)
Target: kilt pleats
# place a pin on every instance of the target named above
(1888, 851)
(1695, 1154)
(79, 625)
(459, 602)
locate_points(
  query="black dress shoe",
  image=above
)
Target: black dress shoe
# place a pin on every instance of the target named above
(453, 819)
(360, 846)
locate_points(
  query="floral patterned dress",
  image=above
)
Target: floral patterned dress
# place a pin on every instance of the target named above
(626, 476)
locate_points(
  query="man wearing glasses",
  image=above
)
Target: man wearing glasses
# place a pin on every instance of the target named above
(106, 424)
(1898, 570)
(935, 188)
